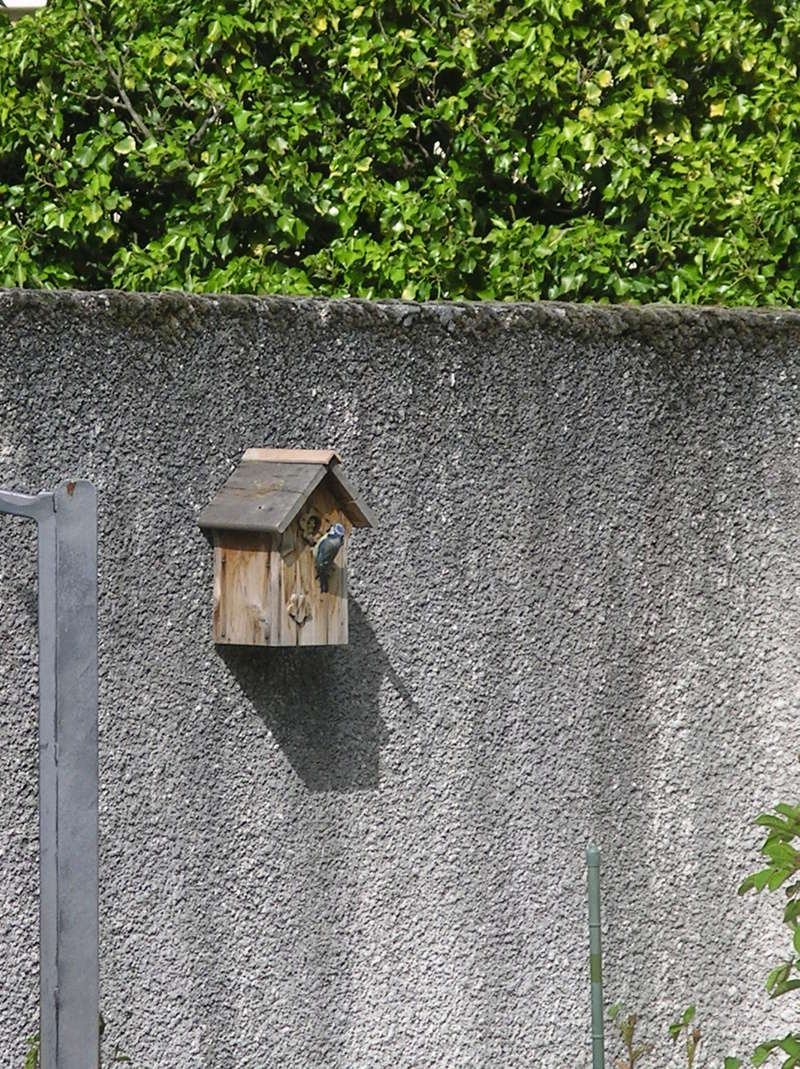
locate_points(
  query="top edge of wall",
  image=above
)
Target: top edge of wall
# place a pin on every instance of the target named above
(611, 319)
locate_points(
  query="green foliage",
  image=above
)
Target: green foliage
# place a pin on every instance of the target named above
(32, 1057)
(626, 1027)
(789, 1045)
(626, 1024)
(573, 149)
(692, 1034)
(781, 870)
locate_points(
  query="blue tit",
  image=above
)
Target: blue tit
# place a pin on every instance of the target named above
(325, 553)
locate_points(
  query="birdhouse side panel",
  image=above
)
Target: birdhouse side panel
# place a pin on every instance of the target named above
(311, 616)
(242, 583)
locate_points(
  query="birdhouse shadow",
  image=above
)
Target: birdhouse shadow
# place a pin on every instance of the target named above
(322, 704)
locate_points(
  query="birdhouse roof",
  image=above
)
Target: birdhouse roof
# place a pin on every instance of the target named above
(270, 486)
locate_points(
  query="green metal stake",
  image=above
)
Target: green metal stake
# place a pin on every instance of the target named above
(595, 957)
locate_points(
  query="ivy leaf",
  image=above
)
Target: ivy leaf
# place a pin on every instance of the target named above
(124, 146)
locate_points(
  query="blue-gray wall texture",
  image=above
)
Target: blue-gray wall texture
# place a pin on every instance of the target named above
(577, 622)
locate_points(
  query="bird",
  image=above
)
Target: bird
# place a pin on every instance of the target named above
(325, 553)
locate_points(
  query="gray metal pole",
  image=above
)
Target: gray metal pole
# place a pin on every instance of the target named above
(68, 932)
(595, 957)
(48, 791)
(76, 761)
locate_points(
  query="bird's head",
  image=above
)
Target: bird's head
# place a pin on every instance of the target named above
(337, 530)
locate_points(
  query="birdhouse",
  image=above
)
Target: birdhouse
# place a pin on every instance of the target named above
(280, 527)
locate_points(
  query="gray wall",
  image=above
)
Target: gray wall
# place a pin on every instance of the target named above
(577, 622)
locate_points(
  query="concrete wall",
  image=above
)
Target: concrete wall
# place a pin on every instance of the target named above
(577, 622)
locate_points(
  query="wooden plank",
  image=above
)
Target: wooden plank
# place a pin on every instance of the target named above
(332, 606)
(270, 487)
(334, 602)
(240, 513)
(313, 632)
(218, 584)
(262, 478)
(293, 456)
(336, 599)
(297, 611)
(308, 633)
(304, 612)
(287, 627)
(274, 604)
(241, 585)
(256, 498)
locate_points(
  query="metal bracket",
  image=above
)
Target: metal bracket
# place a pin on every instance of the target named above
(68, 892)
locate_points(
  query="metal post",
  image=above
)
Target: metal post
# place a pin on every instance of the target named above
(595, 957)
(68, 928)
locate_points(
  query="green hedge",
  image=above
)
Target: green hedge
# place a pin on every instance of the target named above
(571, 149)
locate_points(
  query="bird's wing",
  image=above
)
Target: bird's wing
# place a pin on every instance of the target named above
(328, 548)
(326, 551)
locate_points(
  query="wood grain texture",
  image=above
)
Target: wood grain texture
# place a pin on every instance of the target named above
(261, 497)
(293, 456)
(242, 565)
(327, 622)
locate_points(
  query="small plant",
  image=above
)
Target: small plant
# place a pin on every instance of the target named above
(693, 1035)
(782, 870)
(626, 1026)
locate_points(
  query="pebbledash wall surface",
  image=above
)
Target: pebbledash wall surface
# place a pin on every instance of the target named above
(578, 621)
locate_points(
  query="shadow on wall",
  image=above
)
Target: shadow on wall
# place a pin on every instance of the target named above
(322, 704)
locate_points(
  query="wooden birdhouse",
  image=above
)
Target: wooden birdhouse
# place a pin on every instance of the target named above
(274, 585)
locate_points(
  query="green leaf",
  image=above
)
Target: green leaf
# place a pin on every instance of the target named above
(125, 145)
(757, 881)
(796, 939)
(770, 821)
(792, 812)
(32, 1056)
(763, 1051)
(778, 976)
(786, 985)
(790, 1045)
(92, 212)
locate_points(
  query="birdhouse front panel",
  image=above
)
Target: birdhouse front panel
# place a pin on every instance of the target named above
(307, 615)
(280, 529)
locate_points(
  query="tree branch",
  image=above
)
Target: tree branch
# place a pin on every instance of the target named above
(116, 77)
(212, 117)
